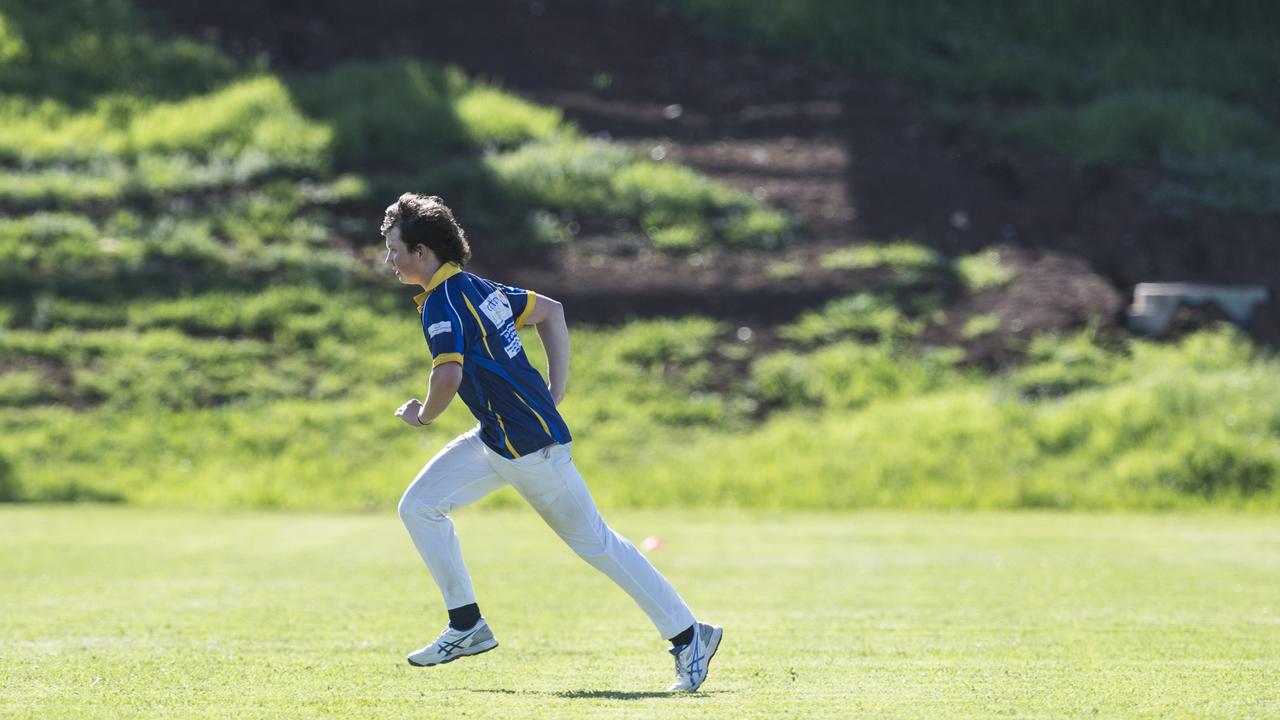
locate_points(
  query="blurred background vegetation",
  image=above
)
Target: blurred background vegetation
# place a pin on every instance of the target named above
(192, 310)
(1190, 85)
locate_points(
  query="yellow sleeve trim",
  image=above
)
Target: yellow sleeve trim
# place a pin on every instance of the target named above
(528, 308)
(443, 358)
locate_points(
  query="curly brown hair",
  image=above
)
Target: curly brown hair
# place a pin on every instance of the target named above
(426, 220)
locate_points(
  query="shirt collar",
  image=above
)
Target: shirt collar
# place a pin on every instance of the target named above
(445, 272)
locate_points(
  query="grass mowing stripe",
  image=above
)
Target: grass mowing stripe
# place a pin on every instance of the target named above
(123, 612)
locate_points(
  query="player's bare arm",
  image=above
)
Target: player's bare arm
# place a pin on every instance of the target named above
(443, 385)
(548, 317)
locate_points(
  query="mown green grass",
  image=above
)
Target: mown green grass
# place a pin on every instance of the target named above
(126, 612)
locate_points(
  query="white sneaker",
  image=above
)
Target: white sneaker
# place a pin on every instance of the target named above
(694, 659)
(453, 644)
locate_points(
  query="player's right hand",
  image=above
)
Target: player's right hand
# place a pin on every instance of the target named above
(408, 412)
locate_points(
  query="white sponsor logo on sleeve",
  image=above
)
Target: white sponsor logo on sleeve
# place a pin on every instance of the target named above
(496, 308)
(435, 329)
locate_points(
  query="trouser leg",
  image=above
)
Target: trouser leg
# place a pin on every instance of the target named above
(458, 475)
(552, 485)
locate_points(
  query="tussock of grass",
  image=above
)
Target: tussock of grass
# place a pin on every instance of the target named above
(866, 315)
(983, 270)
(848, 375)
(255, 114)
(907, 258)
(784, 269)
(273, 235)
(910, 262)
(1058, 366)
(677, 208)
(979, 325)
(405, 111)
(493, 117)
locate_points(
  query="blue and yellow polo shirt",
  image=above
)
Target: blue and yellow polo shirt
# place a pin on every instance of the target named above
(472, 321)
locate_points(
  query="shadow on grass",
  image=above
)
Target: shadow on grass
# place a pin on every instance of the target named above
(592, 694)
(610, 694)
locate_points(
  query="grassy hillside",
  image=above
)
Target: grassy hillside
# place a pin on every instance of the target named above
(191, 312)
(191, 143)
(1188, 85)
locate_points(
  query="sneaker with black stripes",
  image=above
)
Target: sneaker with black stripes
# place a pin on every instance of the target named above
(453, 644)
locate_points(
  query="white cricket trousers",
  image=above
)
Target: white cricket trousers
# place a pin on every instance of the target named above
(467, 470)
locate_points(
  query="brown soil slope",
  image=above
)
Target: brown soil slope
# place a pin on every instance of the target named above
(850, 154)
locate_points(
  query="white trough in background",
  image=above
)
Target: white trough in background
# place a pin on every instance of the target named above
(1154, 304)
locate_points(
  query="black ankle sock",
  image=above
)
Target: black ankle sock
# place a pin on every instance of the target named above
(465, 617)
(683, 638)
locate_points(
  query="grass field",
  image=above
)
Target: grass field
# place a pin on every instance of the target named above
(121, 612)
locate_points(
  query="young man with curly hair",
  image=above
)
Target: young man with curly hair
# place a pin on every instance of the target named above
(472, 328)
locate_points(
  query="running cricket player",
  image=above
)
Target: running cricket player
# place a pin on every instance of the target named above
(471, 326)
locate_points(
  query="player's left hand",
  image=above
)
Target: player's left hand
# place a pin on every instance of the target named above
(408, 412)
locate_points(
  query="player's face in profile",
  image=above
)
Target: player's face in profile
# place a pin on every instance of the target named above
(410, 268)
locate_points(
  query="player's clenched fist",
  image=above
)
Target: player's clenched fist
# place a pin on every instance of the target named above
(408, 412)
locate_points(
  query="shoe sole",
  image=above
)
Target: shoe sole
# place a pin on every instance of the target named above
(483, 648)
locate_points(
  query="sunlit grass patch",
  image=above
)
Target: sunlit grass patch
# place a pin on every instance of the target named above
(255, 113)
(979, 325)
(902, 256)
(984, 270)
(866, 315)
(784, 269)
(674, 206)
